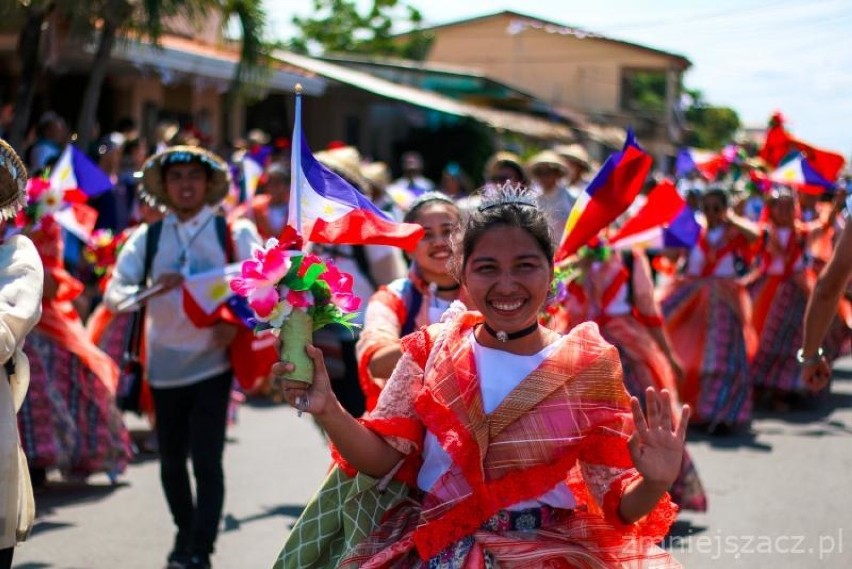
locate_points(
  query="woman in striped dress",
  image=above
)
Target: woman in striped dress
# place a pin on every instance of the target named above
(707, 315)
(406, 304)
(780, 293)
(69, 420)
(617, 292)
(513, 445)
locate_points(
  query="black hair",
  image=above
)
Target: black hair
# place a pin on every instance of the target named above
(717, 193)
(521, 213)
(208, 170)
(427, 199)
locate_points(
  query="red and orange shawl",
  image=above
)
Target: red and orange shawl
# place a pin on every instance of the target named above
(568, 422)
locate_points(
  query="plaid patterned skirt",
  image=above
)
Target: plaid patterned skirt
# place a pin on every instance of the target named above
(774, 366)
(703, 320)
(69, 419)
(644, 365)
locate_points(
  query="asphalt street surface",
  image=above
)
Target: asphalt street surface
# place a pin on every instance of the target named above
(779, 497)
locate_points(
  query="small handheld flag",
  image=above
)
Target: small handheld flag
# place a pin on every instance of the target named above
(607, 196)
(325, 208)
(74, 170)
(706, 163)
(664, 221)
(799, 173)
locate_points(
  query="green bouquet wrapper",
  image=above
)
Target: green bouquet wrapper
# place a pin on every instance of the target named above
(296, 333)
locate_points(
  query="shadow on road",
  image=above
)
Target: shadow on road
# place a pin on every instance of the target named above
(55, 495)
(747, 439)
(232, 523)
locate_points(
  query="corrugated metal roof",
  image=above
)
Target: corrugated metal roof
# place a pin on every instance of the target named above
(521, 123)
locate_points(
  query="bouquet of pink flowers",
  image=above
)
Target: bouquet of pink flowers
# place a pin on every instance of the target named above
(43, 200)
(295, 293)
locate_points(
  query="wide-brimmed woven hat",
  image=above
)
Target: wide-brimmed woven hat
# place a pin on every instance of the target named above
(377, 173)
(152, 172)
(13, 182)
(500, 158)
(547, 158)
(345, 161)
(574, 153)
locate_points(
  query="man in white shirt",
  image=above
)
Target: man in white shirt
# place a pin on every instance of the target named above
(188, 367)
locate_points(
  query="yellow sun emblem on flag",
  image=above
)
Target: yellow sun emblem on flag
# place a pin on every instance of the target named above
(219, 291)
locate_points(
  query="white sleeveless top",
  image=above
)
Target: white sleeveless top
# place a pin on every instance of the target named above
(500, 372)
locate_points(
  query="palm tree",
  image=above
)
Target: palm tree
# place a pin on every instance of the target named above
(144, 19)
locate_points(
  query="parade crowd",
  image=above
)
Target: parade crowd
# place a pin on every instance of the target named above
(492, 396)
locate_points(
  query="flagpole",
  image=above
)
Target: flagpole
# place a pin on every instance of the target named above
(296, 158)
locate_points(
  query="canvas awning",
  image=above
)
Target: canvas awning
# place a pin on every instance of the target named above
(178, 55)
(521, 123)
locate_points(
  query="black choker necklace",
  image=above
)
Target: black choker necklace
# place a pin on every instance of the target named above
(506, 336)
(448, 288)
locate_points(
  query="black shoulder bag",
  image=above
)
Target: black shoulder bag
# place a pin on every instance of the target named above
(129, 391)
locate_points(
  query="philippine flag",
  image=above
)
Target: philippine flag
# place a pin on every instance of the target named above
(78, 219)
(325, 208)
(208, 299)
(74, 170)
(664, 221)
(607, 196)
(252, 173)
(205, 294)
(705, 162)
(779, 144)
(799, 173)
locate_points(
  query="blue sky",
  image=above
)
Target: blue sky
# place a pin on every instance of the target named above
(753, 55)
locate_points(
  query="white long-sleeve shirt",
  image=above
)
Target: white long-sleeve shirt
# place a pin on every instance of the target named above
(178, 352)
(21, 281)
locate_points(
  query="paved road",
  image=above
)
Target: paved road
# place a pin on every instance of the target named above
(779, 498)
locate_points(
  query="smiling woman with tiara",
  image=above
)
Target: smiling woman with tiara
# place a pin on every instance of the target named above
(496, 442)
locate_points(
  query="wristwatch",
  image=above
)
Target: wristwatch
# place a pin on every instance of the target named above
(803, 361)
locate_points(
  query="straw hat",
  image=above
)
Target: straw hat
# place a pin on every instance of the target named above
(258, 136)
(574, 153)
(152, 172)
(503, 157)
(547, 158)
(13, 182)
(345, 161)
(166, 131)
(377, 173)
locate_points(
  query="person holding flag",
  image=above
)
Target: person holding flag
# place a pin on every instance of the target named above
(496, 441)
(707, 315)
(187, 367)
(780, 292)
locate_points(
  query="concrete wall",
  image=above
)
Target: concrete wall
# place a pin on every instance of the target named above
(561, 69)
